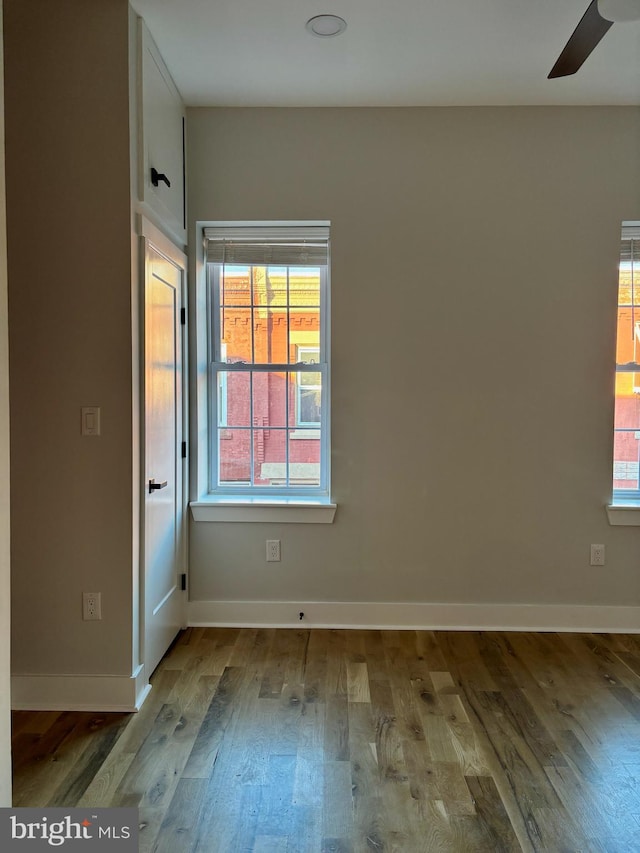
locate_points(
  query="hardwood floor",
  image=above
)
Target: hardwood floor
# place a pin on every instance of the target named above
(328, 741)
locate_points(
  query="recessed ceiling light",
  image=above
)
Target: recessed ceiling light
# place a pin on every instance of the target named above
(326, 25)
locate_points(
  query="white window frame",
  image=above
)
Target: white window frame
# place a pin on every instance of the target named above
(624, 509)
(218, 365)
(630, 232)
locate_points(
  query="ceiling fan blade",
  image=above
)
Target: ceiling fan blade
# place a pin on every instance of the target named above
(584, 38)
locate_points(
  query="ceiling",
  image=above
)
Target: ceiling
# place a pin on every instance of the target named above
(393, 53)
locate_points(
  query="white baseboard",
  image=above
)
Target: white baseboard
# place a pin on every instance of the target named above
(415, 616)
(100, 693)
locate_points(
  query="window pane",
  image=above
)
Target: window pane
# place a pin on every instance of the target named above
(628, 334)
(235, 285)
(304, 334)
(234, 454)
(305, 399)
(627, 403)
(270, 457)
(625, 460)
(309, 379)
(270, 331)
(235, 334)
(308, 353)
(626, 445)
(270, 318)
(269, 399)
(304, 458)
(236, 402)
(269, 286)
(309, 406)
(304, 286)
(629, 284)
(304, 345)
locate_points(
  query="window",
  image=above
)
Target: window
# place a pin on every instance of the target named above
(626, 448)
(268, 369)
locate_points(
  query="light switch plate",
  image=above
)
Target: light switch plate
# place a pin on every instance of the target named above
(90, 420)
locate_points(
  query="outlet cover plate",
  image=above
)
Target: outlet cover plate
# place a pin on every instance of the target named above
(91, 606)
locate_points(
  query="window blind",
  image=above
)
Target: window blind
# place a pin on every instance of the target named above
(268, 246)
(630, 244)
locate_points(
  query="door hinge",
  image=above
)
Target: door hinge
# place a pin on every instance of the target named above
(183, 581)
(183, 316)
(184, 449)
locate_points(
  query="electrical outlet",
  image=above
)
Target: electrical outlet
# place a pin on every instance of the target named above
(273, 550)
(91, 606)
(597, 555)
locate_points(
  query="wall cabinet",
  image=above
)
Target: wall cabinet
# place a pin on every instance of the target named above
(161, 142)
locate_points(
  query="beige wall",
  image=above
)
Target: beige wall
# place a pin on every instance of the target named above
(5, 620)
(68, 196)
(498, 231)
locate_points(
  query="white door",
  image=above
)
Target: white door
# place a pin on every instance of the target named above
(163, 506)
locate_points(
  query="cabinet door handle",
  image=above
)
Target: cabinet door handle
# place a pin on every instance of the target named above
(157, 176)
(154, 487)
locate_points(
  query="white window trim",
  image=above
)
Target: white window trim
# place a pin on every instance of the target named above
(218, 489)
(207, 507)
(283, 511)
(621, 515)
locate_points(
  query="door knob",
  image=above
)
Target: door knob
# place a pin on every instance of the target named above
(154, 487)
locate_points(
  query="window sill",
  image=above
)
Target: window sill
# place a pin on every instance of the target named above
(280, 510)
(624, 515)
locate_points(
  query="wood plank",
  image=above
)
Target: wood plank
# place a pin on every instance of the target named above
(443, 682)
(315, 672)
(337, 845)
(336, 733)
(271, 844)
(495, 827)
(437, 832)
(421, 772)
(55, 761)
(214, 724)
(337, 811)
(105, 783)
(428, 650)
(102, 740)
(32, 722)
(375, 656)
(178, 830)
(463, 658)
(336, 683)
(357, 682)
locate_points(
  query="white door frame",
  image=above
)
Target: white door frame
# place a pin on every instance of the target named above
(152, 237)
